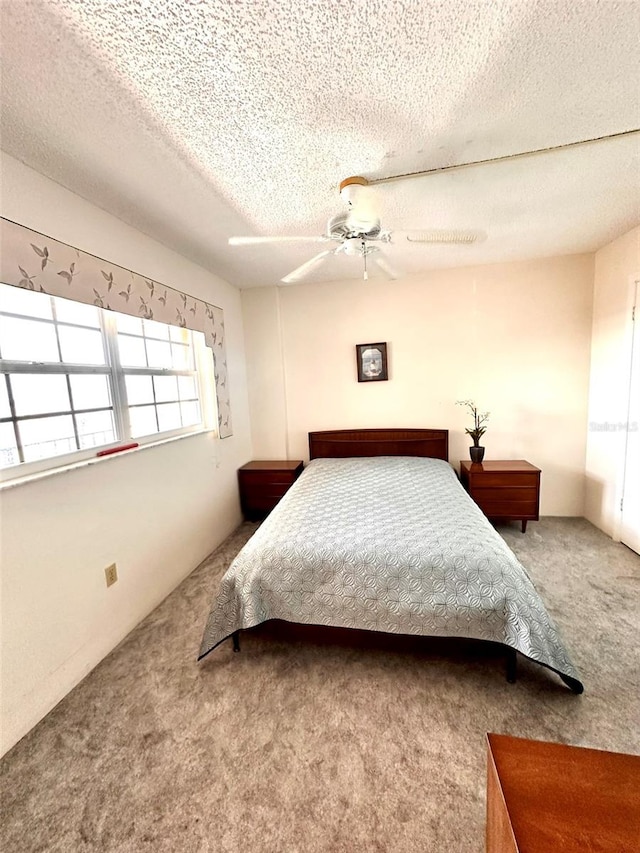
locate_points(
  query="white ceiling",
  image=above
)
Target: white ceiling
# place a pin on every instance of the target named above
(200, 119)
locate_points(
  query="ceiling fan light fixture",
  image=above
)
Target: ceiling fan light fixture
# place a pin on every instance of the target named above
(353, 246)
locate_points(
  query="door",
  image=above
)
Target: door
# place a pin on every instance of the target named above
(630, 529)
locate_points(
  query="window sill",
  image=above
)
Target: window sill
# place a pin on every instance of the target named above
(97, 460)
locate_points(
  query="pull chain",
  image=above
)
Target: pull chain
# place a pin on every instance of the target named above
(364, 256)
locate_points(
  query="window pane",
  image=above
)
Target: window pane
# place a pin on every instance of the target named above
(27, 340)
(95, 429)
(176, 333)
(159, 354)
(37, 393)
(139, 389)
(169, 416)
(187, 387)
(166, 388)
(81, 346)
(5, 411)
(190, 414)
(182, 357)
(156, 330)
(143, 421)
(90, 392)
(43, 437)
(18, 300)
(132, 353)
(132, 325)
(68, 311)
(8, 447)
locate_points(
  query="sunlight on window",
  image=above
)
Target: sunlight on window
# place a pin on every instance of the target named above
(43, 437)
(169, 416)
(139, 389)
(152, 329)
(190, 413)
(132, 351)
(8, 447)
(36, 394)
(166, 388)
(5, 408)
(95, 429)
(90, 392)
(16, 300)
(159, 353)
(81, 346)
(68, 311)
(132, 325)
(143, 421)
(27, 340)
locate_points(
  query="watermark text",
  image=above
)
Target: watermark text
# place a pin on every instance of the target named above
(615, 426)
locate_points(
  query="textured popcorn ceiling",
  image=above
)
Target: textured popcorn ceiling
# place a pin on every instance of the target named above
(194, 120)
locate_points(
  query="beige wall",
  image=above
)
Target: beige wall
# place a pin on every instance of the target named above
(156, 513)
(514, 337)
(616, 267)
(266, 386)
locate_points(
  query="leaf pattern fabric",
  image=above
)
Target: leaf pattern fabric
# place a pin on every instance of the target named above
(35, 262)
(388, 544)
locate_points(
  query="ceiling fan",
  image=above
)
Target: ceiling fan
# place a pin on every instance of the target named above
(357, 232)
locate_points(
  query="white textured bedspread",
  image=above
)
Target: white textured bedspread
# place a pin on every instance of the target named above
(386, 544)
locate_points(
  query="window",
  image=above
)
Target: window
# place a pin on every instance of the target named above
(75, 378)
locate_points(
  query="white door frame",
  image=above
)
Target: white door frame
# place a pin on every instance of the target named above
(632, 301)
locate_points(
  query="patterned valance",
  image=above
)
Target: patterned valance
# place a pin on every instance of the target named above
(36, 262)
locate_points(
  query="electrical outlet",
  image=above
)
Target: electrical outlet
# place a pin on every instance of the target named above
(111, 574)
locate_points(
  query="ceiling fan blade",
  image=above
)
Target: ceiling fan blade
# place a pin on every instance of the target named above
(382, 263)
(259, 241)
(452, 236)
(307, 267)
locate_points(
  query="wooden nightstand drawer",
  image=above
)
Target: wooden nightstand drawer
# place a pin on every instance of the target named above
(480, 494)
(503, 479)
(267, 491)
(260, 503)
(258, 478)
(508, 509)
(263, 483)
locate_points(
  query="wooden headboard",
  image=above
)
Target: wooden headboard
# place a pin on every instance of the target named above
(380, 442)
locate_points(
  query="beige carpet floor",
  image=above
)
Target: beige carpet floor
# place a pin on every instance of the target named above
(319, 740)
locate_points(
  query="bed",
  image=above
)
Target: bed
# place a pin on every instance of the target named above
(378, 534)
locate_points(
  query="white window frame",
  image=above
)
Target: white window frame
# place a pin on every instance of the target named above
(116, 373)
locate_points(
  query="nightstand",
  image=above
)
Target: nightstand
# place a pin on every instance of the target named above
(504, 489)
(262, 484)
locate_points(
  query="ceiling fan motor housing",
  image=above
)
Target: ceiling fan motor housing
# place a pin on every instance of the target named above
(362, 217)
(343, 226)
(351, 188)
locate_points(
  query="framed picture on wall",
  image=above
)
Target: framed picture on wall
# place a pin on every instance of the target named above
(372, 362)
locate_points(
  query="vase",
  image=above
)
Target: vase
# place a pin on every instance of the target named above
(476, 453)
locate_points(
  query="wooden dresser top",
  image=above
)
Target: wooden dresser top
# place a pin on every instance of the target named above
(498, 465)
(272, 465)
(568, 798)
